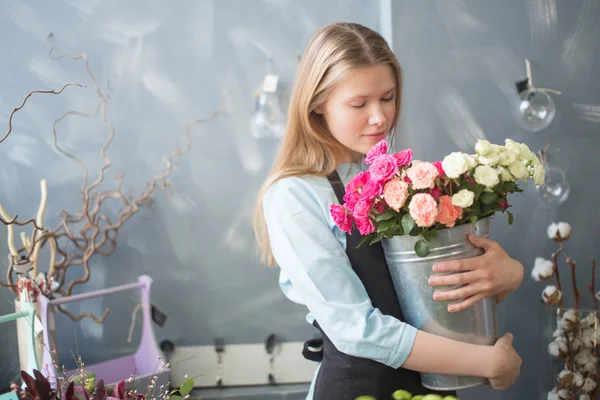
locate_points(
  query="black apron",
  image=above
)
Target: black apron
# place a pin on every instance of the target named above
(345, 377)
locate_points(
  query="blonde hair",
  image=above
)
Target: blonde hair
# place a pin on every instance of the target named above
(308, 148)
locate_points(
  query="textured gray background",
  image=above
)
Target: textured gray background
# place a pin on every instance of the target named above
(176, 62)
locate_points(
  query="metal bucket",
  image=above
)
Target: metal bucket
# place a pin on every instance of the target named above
(410, 274)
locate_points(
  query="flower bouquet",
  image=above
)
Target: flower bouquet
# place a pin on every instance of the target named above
(422, 213)
(401, 196)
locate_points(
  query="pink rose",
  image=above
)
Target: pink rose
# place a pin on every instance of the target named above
(351, 198)
(371, 189)
(383, 168)
(378, 150)
(436, 192)
(365, 226)
(503, 203)
(422, 175)
(341, 217)
(438, 165)
(395, 193)
(380, 206)
(447, 212)
(362, 208)
(403, 157)
(423, 209)
(358, 181)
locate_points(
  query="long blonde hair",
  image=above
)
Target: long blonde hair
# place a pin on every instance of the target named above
(308, 148)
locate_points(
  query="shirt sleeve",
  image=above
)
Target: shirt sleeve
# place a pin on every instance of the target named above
(307, 250)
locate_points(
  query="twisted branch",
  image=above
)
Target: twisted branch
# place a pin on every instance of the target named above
(81, 235)
(10, 117)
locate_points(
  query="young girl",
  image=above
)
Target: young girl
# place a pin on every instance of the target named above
(346, 99)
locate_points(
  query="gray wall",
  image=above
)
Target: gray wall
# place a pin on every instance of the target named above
(461, 60)
(175, 62)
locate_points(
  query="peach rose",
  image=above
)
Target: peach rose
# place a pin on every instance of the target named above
(447, 213)
(423, 209)
(422, 175)
(395, 193)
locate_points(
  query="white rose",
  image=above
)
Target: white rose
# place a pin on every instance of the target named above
(522, 150)
(505, 174)
(483, 147)
(543, 269)
(486, 176)
(539, 174)
(455, 164)
(464, 198)
(488, 159)
(507, 156)
(518, 170)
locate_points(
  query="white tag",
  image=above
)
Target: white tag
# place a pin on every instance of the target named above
(270, 83)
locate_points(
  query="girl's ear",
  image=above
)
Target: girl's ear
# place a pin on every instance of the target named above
(319, 110)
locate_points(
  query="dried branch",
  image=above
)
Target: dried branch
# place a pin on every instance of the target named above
(85, 315)
(576, 291)
(10, 117)
(15, 222)
(82, 234)
(592, 286)
(555, 263)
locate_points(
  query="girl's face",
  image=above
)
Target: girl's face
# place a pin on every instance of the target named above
(361, 108)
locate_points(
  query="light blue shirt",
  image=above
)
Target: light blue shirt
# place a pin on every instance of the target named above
(315, 271)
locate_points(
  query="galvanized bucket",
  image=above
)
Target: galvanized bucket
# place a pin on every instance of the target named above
(410, 274)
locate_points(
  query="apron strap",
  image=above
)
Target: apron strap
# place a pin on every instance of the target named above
(338, 187)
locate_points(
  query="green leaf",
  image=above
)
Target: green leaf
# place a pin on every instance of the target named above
(376, 239)
(511, 217)
(385, 225)
(422, 248)
(473, 219)
(509, 187)
(365, 240)
(187, 387)
(175, 397)
(407, 223)
(426, 235)
(387, 214)
(489, 198)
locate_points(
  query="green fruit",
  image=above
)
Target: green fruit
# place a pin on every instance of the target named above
(365, 398)
(432, 397)
(449, 398)
(419, 397)
(402, 395)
